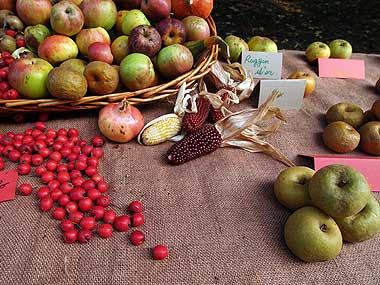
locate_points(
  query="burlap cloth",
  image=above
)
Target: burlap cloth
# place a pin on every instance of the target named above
(217, 214)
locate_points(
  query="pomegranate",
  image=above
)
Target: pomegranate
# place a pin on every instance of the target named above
(120, 122)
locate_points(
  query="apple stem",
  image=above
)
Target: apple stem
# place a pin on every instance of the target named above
(323, 228)
(123, 105)
(189, 2)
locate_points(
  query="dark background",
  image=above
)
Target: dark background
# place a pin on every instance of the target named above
(294, 24)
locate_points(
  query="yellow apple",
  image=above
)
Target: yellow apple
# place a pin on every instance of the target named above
(310, 81)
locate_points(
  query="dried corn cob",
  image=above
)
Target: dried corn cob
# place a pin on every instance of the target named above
(196, 144)
(215, 114)
(194, 121)
(160, 130)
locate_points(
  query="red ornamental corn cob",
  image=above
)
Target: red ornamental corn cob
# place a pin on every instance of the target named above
(215, 114)
(198, 143)
(194, 121)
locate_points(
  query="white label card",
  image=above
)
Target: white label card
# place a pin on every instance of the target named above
(293, 91)
(263, 65)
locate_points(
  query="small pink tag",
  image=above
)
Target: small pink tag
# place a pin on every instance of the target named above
(341, 68)
(369, 167)
(8, 183)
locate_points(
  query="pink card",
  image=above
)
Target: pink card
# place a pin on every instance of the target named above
(368, 166)
(8, 183)
(341, 68)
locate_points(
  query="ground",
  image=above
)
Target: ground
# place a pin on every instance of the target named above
(294, 24)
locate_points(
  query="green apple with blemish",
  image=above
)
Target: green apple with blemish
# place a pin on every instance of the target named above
(340, 49)
(317, 50)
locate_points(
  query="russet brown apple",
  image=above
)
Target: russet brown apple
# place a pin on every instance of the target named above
(172, 31)
(101, 77)
(376, 109)
(370, 138)
(341, 137)
(144, 39)
(347, 112)
(310, 81)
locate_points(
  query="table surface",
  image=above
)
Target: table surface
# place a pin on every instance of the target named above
(217, 214)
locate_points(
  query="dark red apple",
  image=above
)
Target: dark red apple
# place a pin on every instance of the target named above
(144, 39)
(100, 52)
(156, 9)
(128, 4)
(172, 31)
(33, 12)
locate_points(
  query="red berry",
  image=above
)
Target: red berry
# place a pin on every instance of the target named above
(97, 141)
(56, 194)
(92, 161)
(46, 204)
(88, 223)
(109, 216)
(77, 193)
(78, 181)
(47, 177)
(2, 62)
(44, 152)
(59, 213)
(70, 236)
(137, 237)
(85, 204)
(122, 223)
(43, 192)
(63, 168)
(103, 201)
(36, 133)
(71, 207)
(20, 43)
(63, 176)
(137, 219)
(64, 200)
(37, 159)
(73, 132)
(84, 236)
(25, 189)
(102, 186)
(54, 184)
(88, 184)
(76, 149)
(62, 132)
(71, 166)
(56, 156)
(39, 144)
(50, 133)
(10, 33)
(76, 217)
(97, 152)
(97, 212)
(66, 225)
(6, 54)
(105, 230)
(40, 126)
(11, 94)
(75, 174)
(4, 87)
(14, 155)
(66, 187)
(24, 169)
(135, 207)
(4, 73)
(56, 146)
(160, 252)
(80, 165)
(40, 170)
(26, 158)
(93, 194)
(91, 171)
(65, 152)
(51, 165)
(2, 166)
(43, 117)
(97, 178)
(87, 149)
(49, 142)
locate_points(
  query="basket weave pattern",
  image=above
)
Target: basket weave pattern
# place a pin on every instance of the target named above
(147, 95)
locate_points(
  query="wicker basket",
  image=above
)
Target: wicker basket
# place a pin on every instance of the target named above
(152, 94)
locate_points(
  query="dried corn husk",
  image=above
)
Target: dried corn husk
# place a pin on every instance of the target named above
(245, 129)
(160, 130)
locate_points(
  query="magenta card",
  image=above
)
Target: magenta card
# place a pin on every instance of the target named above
(368, 166)
(341, 68)
(8, 183)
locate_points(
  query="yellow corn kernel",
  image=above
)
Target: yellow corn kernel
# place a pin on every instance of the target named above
(161, 131)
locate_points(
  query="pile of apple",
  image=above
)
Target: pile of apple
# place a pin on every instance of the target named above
(336, 49)
(331, 205)
(144, 40)
(349, 127)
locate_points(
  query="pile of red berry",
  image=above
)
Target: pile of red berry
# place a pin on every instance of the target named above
(68, 166)
(6, 92)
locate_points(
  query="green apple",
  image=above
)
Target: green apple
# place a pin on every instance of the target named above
(291, 187)
(28, 76)
(362, 226)
(347, 112)
(339, 190)
(263, 44)
(133, 19)
(317, 50)
(340, 49)
(236, 45)
(137, 71)
(34, 35)
(312, 235)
